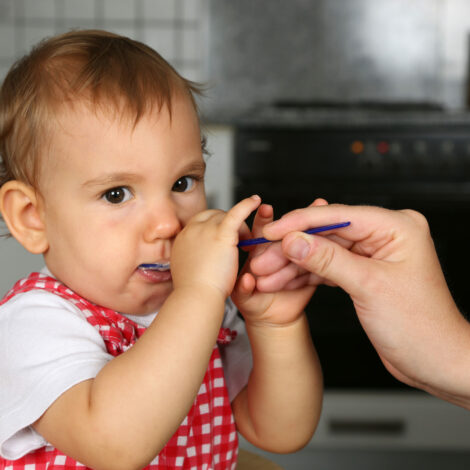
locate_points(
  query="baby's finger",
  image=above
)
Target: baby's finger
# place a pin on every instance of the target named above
(280, 279)
(308, 279)
(263, 216)
(272, 259)
(235, 217)
(243, 289)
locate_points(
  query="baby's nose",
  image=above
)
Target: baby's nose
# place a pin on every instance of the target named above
(163, 224)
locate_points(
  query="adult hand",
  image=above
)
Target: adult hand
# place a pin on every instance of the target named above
(386, 261)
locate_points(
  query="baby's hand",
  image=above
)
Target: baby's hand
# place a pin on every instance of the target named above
(205, 252)
(275, 272)
(270, 289)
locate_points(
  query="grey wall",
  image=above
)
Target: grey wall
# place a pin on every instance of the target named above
(268, 50)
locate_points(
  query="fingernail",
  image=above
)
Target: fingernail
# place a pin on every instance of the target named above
(298, 248)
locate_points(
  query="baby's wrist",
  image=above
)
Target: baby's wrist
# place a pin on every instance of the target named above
(274, 326)
(200, 291)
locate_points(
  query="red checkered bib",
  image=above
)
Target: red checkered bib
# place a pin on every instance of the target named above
(207, 437)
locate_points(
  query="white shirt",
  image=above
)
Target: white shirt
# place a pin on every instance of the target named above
(47, 346)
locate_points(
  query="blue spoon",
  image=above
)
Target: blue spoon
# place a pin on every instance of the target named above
(324, 228)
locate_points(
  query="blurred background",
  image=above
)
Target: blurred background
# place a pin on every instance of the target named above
(358, 101)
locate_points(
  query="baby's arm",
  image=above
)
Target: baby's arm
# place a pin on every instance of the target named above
(125, 416)
(279, 408)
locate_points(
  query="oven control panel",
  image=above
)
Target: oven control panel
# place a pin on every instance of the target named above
(387, 154)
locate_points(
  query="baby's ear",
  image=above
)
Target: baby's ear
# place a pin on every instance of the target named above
(21, 209)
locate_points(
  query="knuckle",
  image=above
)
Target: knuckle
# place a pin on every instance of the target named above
(323, 260)
(417, 218)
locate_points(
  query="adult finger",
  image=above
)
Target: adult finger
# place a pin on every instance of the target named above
(329, 261)
(364, 220)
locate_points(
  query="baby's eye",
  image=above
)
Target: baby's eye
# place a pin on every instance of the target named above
(184, 184)
(117, 195)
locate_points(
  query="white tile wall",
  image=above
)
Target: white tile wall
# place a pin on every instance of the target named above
(79, 10)
(7, 40)
(119, 10)
(160, 9)
(39, 9)
(162, 40)
(177, 29)
(6, 10)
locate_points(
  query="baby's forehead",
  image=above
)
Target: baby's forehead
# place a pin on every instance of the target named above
(86, 120)
(119, 108)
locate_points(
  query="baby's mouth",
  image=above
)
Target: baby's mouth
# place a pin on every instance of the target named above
(155, 273)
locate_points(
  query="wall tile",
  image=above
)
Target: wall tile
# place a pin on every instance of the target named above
(3, 70)
(6, 11)
(159, 9)
(7, 42)
(162, 40)
(79, 9)
(194, 9)
(119, 9)
(33, 34)
(191, 72)
(192, 46)
(175, 28)
(45, 9)
(127, 30)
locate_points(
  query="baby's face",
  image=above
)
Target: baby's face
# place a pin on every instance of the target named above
(115, 197)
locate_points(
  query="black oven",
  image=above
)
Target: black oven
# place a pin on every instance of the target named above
(395, 162)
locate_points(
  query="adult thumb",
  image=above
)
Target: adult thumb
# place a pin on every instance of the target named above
(327, 259)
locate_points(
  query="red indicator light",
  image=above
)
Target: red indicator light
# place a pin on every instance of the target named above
(383, 147)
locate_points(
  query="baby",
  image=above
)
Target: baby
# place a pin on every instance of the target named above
(109, 358)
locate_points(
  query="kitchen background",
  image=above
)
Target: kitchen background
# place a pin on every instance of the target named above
(261, 59)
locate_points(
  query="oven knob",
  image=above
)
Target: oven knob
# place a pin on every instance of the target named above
(422, 161)
(370, 161)
(397, 160)
(420, 147)
(395, 148)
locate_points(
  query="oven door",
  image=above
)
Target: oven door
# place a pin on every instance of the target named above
(290, 169)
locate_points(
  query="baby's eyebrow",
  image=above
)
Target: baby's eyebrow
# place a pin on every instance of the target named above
(112, 178)
(197, 167)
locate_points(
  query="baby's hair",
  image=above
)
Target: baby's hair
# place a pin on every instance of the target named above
(102, 69)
